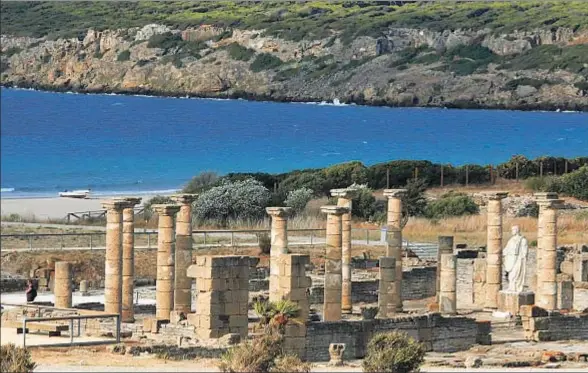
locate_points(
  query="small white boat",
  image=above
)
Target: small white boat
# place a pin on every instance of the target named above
(75, 193)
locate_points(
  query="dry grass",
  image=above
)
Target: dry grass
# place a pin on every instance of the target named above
(472, 229)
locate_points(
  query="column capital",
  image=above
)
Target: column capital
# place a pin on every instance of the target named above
(184, 198)
(348, 193)
(280, 212)
(132, 201)
(115, 204)
(165, 209)
(543, 196)
(394, 193)
(496, 196)
(550, 203)
(334, 210)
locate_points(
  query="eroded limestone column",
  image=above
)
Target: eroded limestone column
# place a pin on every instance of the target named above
(344, 199)
(183, 256)
(445, 247)
(164, 287)
(547, 249)
(541, 196)
(494, 249)
(279, 244)
(387, 288)
(114, 255)
(448, 284)
(62, 289)
(394, 249)
(128, 259)
(333, 263)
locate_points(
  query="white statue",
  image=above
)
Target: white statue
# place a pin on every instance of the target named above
(514, 259)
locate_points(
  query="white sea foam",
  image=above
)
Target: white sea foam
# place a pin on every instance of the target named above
(6, 190)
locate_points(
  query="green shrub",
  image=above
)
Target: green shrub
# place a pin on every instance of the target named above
(265, 243)
(512, 85)
(12, 51)
(364, 204)
(414, 199)
(451, 204)
(582, 86)
(165, 41)
(201, 182)
(124, 55)
(544, 184)
(156, 200)
(265, 61)
(298, 199)
(239, 52)
(575, 184)
(142, 63)
(393, 352)
(15, 359)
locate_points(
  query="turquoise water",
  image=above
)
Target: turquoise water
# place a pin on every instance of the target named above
(117, 144)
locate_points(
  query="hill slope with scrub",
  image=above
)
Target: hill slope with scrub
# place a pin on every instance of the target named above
(523, 55)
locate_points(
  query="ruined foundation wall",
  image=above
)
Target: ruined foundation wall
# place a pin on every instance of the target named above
(438, 334)
(418, 283)
(543, 325)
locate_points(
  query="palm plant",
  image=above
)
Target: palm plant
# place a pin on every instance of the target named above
(276, 315)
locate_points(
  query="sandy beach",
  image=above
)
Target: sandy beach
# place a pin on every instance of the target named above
(41, 209)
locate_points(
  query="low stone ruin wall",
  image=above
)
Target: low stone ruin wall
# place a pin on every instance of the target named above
(418, 283)
(438, 333)
(542, 325)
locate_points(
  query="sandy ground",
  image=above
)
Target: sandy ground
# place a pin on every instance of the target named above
(52, 208)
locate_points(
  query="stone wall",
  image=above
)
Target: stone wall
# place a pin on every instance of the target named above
(418, 283)
(465, 283)
(542, 325)
(436, 332)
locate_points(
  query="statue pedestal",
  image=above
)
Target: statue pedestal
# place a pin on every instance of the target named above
(512, 301)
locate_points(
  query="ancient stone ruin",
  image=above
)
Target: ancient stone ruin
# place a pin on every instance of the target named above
(447, 304)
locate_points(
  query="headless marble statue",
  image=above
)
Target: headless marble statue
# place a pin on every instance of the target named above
(515, 260)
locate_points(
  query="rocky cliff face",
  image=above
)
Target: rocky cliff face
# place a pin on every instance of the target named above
(366, 70)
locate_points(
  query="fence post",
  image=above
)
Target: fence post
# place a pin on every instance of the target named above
(24, 333)
(441, 182)
(71, 334)
(204, 238)
(311, 236)
(467, 175)
(149, 240)
(566, 167)
(540, 169)
(232, 238)
(367, 236)
(62, 243)
(91, 239)
(30, 242)
(118, 328)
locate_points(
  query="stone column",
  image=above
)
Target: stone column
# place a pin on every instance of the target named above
(541, 196)
(183, 256)
(394, 248)
(345, 197)
(547, 250)
(62, 291)
(114, 255)
(494, 249)
(387, 289)
(445, 247)
(279, 243)
(448, 284)
(164, 297)
(128, 259)
(333, 263)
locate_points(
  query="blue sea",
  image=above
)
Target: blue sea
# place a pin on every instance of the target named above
(120, 144)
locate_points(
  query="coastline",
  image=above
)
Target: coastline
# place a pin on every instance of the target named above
(276, 97)
(49, 208)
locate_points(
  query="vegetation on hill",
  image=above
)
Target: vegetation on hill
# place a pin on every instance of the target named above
(295, 20)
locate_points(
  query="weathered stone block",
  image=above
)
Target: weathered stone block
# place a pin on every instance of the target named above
(539, 323)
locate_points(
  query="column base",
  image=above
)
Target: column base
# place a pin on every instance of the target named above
(512, 301)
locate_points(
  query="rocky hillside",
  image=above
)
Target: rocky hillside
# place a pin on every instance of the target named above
(542, 67)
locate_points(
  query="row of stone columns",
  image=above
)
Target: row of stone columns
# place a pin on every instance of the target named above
(546, 258)
(174, 256)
